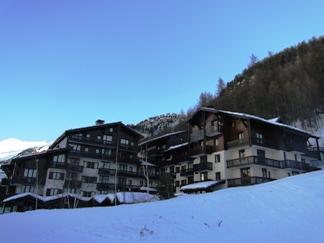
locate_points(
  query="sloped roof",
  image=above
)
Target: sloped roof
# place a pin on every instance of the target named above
(273, 122)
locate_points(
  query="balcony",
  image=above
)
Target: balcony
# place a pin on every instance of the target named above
(75, 168)
(197, 136)
(237, 143)
(197, 150)
(23, 180)
(72, 183)
(187, 172)
(57, 165)
(212, 131)
(292, 164)
(255, 160)
(203, 166)
(245, 181)
(89, 141)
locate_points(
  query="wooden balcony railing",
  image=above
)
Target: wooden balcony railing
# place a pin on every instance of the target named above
(203, 166)
(244, 181)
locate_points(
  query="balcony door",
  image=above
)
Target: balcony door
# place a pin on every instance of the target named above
(245, 176)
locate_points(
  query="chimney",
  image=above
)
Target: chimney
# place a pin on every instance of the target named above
(100, 122)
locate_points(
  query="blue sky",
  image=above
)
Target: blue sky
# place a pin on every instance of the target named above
(63, 64)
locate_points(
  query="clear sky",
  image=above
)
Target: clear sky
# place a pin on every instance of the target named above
(65, 63)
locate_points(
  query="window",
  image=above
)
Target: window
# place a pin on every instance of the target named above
(203, 176)
(53, 191)
(107, 139)
(106, 165)
(124, 142)
(86, 194)
(90, 165)
(259, 138)
(183, 168)
(171, 169)
(59, 158)
(86, 149)
(75, 147)
(72, 176)
(74, 161)
(99, 138)
(217, 158)
(177, 169)
(183, 182)
(111, 129)
(30, 173)
(28, 188)
(71, 190)
(218, 176)
(261, 153)
(106, 152)
(296, 157)
(130, 169)
(177, 183)
(245, 172)
(203, 159)
(89, 179)
(264, 173)
(241, 136)
(241, 153)
(88, 136)
(216, 142)
(56, 176)
(130, 182)
(104, 179)
(122, 167)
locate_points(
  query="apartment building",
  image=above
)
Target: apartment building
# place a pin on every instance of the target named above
(86, 161)
(234, 149)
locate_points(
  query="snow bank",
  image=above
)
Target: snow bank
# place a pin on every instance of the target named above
(287, 210)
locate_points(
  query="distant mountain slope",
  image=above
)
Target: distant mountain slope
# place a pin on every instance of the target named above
(11, 147)
(286, 210)
(159, 124)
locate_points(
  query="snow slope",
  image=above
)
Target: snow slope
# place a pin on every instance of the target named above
(287, 210)
(12, 146)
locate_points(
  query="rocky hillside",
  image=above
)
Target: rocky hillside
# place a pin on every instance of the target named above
(159, 124)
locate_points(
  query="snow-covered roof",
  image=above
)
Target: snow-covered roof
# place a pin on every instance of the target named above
(45, 198)
(123, 197)
(177, 146)
(248, 116)
(159, 137)
(144, 188)
(199, 185)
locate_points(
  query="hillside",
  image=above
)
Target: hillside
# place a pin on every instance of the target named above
(287, 210)
(289, 84)
(159, 124)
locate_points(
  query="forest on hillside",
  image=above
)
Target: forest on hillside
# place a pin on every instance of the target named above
(289, 84)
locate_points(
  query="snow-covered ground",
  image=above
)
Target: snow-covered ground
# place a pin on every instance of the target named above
(12, 146)
(287, 210)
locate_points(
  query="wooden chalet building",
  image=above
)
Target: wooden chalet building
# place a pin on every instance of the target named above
(234, 149)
